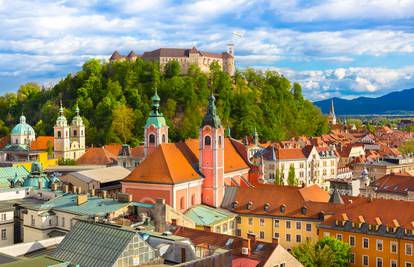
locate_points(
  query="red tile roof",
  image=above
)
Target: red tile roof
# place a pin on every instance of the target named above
(97, 156)
(41, 143)
(387, 210)
(113, 148)
(199, 237)
(137, 152)
(166, 165)
(290, 153)
(397, 183)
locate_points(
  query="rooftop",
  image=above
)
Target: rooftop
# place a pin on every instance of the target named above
(102, 175)
(205, 215)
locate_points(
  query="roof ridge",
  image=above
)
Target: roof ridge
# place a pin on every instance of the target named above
(161, 146)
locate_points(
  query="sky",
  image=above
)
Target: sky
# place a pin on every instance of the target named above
(333, 48)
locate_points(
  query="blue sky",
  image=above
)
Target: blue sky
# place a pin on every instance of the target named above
(344, 48)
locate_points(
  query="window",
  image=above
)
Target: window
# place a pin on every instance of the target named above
(163, 138)
(238, 219)
(339, 236)
(352, 241)
(276, 235)
(352, 261)
(59, 134)
(3, 216)
(261, 222)
(393, 247)
(50, 222)
(379, 262)
(224, 227)
(3, 234)
(298, 238)
(409, 249)
(75, 133)
(298, 225)
(288, 237)
(379, 245)
(32, 220)
(63, 221)
(283, 265)
(308, 227)
(231, 225)
(288, 224)
(57, 220)
(261, 235)
(207, 140)
(238, 232)
(182, 203)
(217, 229)
(365, 242)
(219, 140)
(393, 263)
(276, 223)
(408, 264)
(365, 260)
(152, 139)
(250, 221)
(193, 199)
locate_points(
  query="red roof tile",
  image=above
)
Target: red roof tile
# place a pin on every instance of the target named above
(397, 183)
(41, 143)
(97, 156)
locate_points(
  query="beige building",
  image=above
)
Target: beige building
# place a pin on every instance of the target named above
(186, 58)
(398, 186)
(385, 166)
(6, 225)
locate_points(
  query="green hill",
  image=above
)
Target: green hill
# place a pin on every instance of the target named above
(114, 99)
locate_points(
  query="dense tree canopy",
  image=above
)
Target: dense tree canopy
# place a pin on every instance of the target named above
(104, 92)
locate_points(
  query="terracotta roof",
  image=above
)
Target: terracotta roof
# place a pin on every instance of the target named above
(4, 141)
(41, 142)
(97, 156)
(199, 237)
(370, 209)
(137, 152)
(166, 165)
(113, 148)
(397, 183)
(290, 153)
(292, 198)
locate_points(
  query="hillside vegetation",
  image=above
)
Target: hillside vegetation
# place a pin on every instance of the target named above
(114, 100)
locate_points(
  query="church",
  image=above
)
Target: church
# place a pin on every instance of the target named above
(187, 173)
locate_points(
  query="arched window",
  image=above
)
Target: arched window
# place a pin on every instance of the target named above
(192, 200)
(163, 138)
(81, 132)
(75, 133)
(59, 134)
(219, 140)
(207, 140)
(152, 139)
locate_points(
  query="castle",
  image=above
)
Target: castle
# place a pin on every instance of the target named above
(185, 57)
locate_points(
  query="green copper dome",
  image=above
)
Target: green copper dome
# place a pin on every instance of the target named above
(156, 117)
(23, 128)
(36, 175)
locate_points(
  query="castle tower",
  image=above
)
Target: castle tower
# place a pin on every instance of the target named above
(332, 116)
(211, 156)
(156, 129)
(77, 136)
(61, 140)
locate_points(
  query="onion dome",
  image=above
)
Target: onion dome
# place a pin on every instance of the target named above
(156, 118)
(77, 120)
(61, 120)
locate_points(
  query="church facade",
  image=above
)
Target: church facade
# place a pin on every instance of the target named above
(187, 173)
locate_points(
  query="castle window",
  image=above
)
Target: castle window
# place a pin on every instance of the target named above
(59, 134)
(207, 140)
(152, 139)
(75, 133)
(163, 138)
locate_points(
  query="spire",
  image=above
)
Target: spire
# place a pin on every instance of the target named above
(256, 137)
(332, 111)
(61, 119)
(77, 109)
(156, 117)
(61, 108)
(22, 119)
(211, 118)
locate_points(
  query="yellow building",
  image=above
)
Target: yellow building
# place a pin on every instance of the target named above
(290, 214)
(379, 231)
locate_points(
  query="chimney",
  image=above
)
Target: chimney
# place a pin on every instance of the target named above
(252, 238)
(92, 192)
(54, 187)
(80, 199)
(246, 247)
(275, 241)
(65, 188)
(159, 215)
(123, 197)
(74, 189)
(104, 194)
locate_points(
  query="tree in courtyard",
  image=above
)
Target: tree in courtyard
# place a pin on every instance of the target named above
(328, 252)
(292, 177)
(123, 122)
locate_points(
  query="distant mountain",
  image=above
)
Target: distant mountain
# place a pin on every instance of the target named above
(401, 102)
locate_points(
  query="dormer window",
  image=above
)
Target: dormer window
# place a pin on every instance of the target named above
(283, 208)
(303, 210)
(249, 205)
(266, 207)
(235, 204)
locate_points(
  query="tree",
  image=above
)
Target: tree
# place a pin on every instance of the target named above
(327, 252)
(278, 179)
(123, 122)
(407, 147)
(292, 177)
(172, 68)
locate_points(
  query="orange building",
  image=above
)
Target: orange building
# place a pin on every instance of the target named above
(380, 231)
